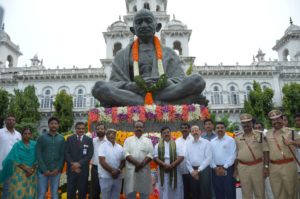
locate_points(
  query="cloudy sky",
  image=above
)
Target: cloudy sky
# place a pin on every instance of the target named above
(69, 32)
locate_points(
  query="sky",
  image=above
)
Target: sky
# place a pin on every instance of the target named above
(65, 33)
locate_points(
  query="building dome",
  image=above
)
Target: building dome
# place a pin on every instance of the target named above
(292, 29)
(4, 36)
(118, 26)
(175, 24)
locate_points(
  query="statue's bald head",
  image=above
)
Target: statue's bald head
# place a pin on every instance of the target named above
(144, 25)
(143, 13)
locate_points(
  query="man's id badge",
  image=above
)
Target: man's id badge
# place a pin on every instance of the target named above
(84, 151)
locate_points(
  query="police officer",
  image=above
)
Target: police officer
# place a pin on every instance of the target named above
(251, 149)
(281, 142)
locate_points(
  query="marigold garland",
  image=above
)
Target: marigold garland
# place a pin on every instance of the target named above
(148, 98)
(161, 82)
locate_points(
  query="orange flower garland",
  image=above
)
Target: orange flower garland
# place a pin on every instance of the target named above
(148, 98)
(136, 72)
(135, 56)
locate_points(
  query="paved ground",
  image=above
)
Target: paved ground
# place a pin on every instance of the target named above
(239, 193)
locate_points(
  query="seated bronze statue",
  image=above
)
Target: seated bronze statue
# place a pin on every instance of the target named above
(145, 66)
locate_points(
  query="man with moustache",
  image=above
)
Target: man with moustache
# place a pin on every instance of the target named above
(97, 142)
(78, 153)
(112, 162)
(198, 157)
(252, 159)
(8, 137)
(138, 153)
(209, 127)
(168, 156)
(282, 143)
(181, 142)
(50, 156)
(224, 154)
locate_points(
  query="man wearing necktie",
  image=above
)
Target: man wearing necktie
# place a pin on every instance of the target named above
(78, 153)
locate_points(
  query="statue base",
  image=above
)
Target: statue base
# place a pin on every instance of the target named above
(153, 116)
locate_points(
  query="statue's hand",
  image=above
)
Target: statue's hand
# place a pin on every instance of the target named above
(133, 87)
(151, 80)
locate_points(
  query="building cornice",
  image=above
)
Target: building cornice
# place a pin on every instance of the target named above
(53, 74)
(12, 47)
(285, 39)
(117, 34)
(176, 33)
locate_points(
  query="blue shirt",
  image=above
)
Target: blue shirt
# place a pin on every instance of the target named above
(209, 137)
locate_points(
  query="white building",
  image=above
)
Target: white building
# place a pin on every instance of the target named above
(226, 86)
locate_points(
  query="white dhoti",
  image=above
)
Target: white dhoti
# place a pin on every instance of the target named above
(166, 191)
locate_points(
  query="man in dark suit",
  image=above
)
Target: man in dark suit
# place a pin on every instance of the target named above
(78, 153)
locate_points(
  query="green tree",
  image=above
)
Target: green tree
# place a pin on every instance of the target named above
(291, 100)
(189, 71)
(63, 106)
(259, 103)
(25, 106)
(4, 99)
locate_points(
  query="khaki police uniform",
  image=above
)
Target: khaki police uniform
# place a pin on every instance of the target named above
(250, 149)
(283, 168)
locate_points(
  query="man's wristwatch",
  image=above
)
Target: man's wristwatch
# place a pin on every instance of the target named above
(266, 166)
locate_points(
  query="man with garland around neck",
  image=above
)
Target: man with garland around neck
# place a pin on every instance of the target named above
(146, 58)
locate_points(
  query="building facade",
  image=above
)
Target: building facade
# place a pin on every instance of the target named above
(226, 86)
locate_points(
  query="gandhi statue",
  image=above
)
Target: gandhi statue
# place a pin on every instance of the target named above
(123, 90)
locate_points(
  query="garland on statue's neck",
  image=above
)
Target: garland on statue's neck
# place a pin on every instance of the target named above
(161, 82)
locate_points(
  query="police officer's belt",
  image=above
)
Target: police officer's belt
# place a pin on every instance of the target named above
(283, 161)
(251, 163)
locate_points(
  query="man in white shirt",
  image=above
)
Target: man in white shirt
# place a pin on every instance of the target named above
(97, 142)
(111, 157)
(224, 155)
(8, 137)
(198, 157)
(138, 153)
(181, 142)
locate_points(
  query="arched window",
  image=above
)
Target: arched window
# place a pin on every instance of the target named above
(157, 8)
(147, 6)
(233, 96)
(10, 61)
(79, 99)
(216, 97)
(117, 47)
(134, 8)
(247, 92)
(44, 131)
(264, 87)
(177, 47)
(47, 99)
(286, 55)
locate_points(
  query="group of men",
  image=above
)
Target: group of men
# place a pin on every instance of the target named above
(196, 165)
